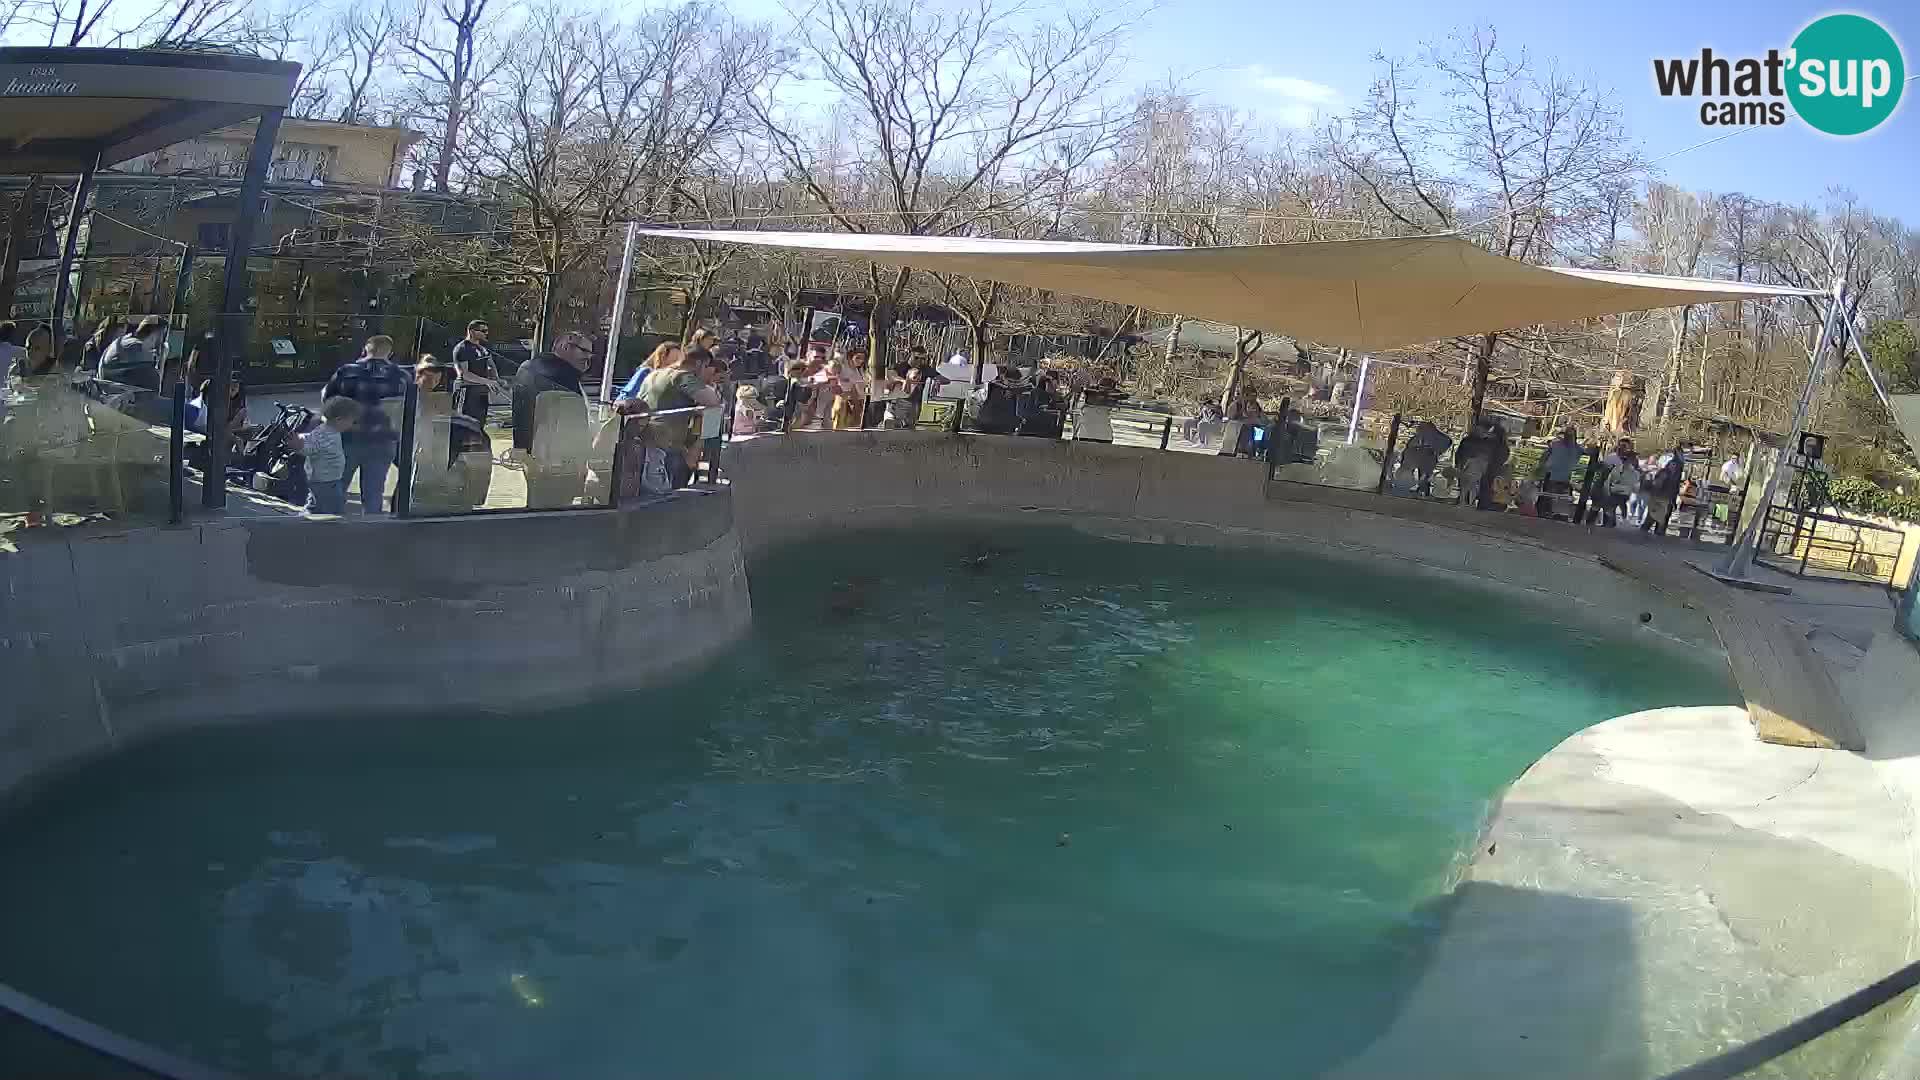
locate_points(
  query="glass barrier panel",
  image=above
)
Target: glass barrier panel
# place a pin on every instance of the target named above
(83, 442)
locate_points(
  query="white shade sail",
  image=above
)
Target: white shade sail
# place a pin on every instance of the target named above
(1363, 294)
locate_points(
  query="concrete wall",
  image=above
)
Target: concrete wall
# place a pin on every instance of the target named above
(793, 488)
(108, 637)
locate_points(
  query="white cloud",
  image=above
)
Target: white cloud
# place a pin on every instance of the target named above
(1289, 99)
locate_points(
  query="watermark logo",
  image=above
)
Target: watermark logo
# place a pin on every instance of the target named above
(39, 82)
(1843, 75)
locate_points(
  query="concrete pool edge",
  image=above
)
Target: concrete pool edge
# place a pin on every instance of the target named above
(114, 637)
(798, 486)
(789, 491)
(1655, 889)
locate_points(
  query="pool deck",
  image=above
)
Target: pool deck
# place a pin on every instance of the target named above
(1656, 889)
(1769, 638)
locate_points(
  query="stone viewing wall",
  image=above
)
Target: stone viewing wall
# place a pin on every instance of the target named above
(796, 487)
(111, 637)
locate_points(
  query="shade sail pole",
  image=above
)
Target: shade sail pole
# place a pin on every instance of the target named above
(618, 321)
(1359, 398)
(1734, 568)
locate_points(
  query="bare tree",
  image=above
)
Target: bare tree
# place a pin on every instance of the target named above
(599, 124)
(450, 58)
(967, 113)
(180, 24)
(368, 33)
(1518, 157)
(1679, 228)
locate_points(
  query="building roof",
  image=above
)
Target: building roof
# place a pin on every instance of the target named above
(63, 109)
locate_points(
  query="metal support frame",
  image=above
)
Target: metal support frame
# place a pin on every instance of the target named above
(1359, 398)
(614, 467)
(70, 249)
(233, 297)
(1734, 569)
(409, 432)
(1273, 440)
(618, 320)
(1386, 459)
(1592, 458)
(182, 282)
(176, 454)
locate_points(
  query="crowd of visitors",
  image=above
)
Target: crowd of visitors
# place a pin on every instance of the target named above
(1619, 486)
(692, 393)
(835, 390)
(1644, 491)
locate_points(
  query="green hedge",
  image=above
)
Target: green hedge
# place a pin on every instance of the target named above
(1866, 497)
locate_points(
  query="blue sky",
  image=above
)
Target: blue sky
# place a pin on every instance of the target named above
(1290, 61)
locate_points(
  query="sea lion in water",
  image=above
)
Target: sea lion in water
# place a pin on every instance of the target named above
(847, 598)
(981, 556)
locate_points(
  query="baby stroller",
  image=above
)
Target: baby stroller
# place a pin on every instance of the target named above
(268, 462)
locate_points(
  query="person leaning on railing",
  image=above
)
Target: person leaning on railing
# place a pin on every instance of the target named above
(134, 360)
(683, 386)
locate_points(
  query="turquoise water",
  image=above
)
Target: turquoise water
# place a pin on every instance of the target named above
(1090, 809)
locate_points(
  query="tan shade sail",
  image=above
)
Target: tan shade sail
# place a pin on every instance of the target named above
(1363, 294)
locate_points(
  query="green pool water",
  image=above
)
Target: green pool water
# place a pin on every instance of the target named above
(1092, 809)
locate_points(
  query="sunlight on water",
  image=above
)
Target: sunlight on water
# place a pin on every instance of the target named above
(1077, 809)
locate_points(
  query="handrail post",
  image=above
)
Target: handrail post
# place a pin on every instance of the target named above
(1386, 460)
(1703, 488)
(176, 456)
(1273, 440)
(1586, 486)
(613, 469)
(403, 477)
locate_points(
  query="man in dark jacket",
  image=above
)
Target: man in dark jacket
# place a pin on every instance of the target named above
(557, 370)
(1663, 491)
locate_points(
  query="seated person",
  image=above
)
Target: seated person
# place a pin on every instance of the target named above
(237, 427)
(747, 413)
(1105, 390)
(997, 414)
(1040, 410)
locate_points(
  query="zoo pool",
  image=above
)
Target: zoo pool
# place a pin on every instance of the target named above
(1057, 807)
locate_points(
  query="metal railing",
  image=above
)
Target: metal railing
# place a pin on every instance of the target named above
(1809, 544)
(1726, 1065)
(102, 1042)
(1750, 1056)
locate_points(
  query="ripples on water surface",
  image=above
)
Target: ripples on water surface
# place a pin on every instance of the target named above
(1093, 810)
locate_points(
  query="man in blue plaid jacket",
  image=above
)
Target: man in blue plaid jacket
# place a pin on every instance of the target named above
(373, 442)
